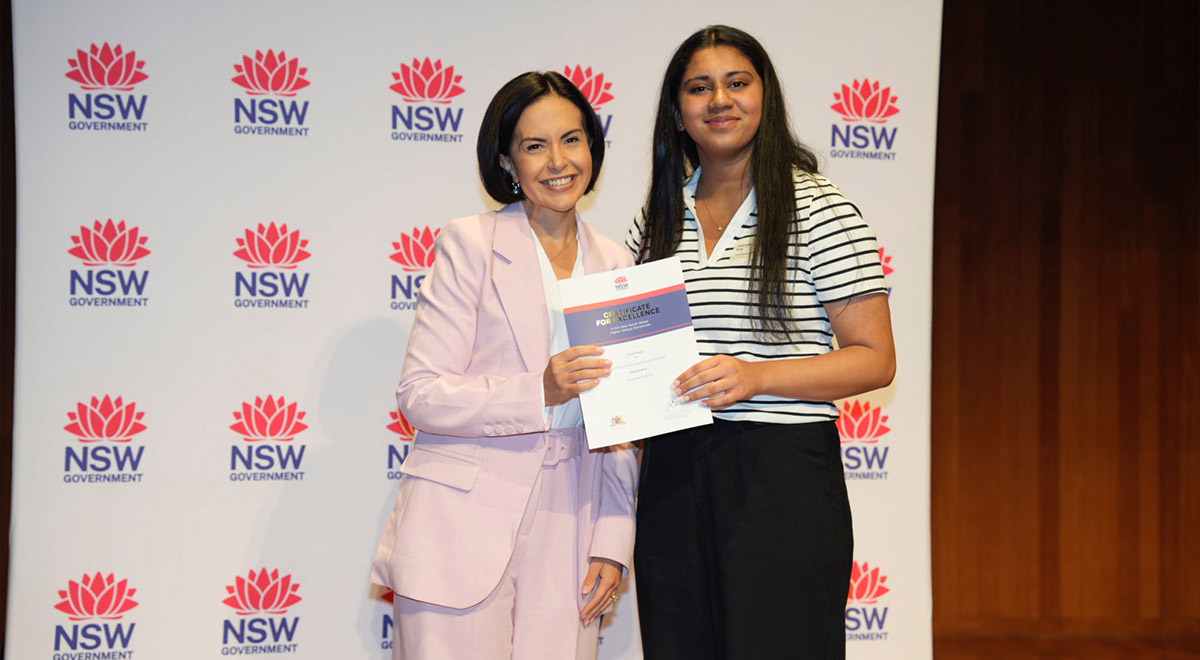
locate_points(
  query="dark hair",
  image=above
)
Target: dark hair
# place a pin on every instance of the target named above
(500, 121)
(776, 153)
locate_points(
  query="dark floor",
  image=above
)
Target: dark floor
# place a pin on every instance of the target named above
(1042, 648)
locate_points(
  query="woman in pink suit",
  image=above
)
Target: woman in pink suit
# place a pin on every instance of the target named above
(509, 538)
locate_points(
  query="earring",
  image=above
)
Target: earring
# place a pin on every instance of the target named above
(678, 121)
(516, 187)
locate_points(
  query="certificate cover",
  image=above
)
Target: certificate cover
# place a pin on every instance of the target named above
(640, 316)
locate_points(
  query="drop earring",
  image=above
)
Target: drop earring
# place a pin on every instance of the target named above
(516, 187)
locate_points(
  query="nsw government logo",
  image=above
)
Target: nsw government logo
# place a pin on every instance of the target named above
(398, 450)
(427, 88)
(106, 70)
(110, 251)
(596, 90)
(865, 619)
(102, 602)
(264, 76)
(271, 253)
(387, 624)
(105, 453)
(861, 427)
(260, 600)
(865, 107)
(266, 424)
(414, 252)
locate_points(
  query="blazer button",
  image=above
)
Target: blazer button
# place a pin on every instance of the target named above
(487, 430)
(520, 428)
(508, 430)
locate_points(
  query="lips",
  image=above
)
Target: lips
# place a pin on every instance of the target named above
(560, 183)
(721, 121)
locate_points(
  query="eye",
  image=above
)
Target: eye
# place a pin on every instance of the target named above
(738, 83)
(532, 146)
(698, 89)
(573, 139)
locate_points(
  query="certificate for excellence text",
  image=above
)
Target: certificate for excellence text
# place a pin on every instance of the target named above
(640, 316)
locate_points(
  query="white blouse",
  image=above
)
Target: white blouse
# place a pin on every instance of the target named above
(569, 414)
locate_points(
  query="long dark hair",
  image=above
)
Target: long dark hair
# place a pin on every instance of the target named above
(776, 153)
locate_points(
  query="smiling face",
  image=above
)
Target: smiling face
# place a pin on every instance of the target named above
(550, 156)
(720, 102)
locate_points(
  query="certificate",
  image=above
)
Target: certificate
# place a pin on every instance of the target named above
(640, 316)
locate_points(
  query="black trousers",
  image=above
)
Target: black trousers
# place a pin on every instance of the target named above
(744, 543)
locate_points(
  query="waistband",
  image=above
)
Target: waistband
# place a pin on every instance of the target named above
(563, 444)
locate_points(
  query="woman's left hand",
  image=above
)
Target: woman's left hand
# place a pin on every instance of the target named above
(720, 380)
(603, 579)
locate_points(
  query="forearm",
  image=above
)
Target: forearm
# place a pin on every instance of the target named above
(835, 375)
(473, 406)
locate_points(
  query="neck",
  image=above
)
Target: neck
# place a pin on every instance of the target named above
(721, 177)
(550, 224)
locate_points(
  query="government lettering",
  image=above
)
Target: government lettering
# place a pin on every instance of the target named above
(270, 130)
(101, 478)
(266, 476)
(426, 137)
(107, 125)
(264, 302)
(262, 648)
(854, 153)
(109, 302)
(94, 655)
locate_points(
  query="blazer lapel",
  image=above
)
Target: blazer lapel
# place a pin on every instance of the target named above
(518, 281)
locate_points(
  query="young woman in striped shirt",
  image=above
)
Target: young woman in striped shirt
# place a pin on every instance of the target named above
(744, 540)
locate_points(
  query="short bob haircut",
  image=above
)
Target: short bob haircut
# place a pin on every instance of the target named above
(500, 121)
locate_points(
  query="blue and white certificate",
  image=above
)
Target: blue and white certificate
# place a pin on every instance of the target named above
(640, 316)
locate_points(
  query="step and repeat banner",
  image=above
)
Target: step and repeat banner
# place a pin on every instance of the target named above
(225, 211)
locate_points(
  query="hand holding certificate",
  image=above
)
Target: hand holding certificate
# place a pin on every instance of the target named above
(640, 316)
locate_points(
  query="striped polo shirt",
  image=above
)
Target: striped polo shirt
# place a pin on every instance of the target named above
(832, 257)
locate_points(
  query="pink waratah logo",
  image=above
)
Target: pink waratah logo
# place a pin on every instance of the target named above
(621, 279)
(886, 261)
(402, 427)
(269, 418)
(415, 251)
(262, 592)
(96, 597)
(859, 421)
(270, 73)
(109, 243)
(272, 245)
(865, 101)
(426, 81)
(591, 84)
(105, 419)
(866, 585)
(106, 67)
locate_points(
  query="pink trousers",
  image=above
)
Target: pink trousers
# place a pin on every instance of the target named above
(533, 613)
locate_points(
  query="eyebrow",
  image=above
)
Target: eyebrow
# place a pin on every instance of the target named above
(706, 77)
(538, 139)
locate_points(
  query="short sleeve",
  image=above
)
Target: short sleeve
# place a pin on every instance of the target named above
(840, 247)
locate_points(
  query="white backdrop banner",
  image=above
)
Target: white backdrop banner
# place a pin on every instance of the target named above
(225, 210)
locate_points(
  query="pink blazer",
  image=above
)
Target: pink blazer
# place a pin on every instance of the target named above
(472, 384)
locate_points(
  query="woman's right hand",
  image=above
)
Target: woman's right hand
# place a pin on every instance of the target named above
(573, 371)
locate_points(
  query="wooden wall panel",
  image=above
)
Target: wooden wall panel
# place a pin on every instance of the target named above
(1066, 324)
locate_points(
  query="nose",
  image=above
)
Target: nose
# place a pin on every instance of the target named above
(720, 99)
(558, 157)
